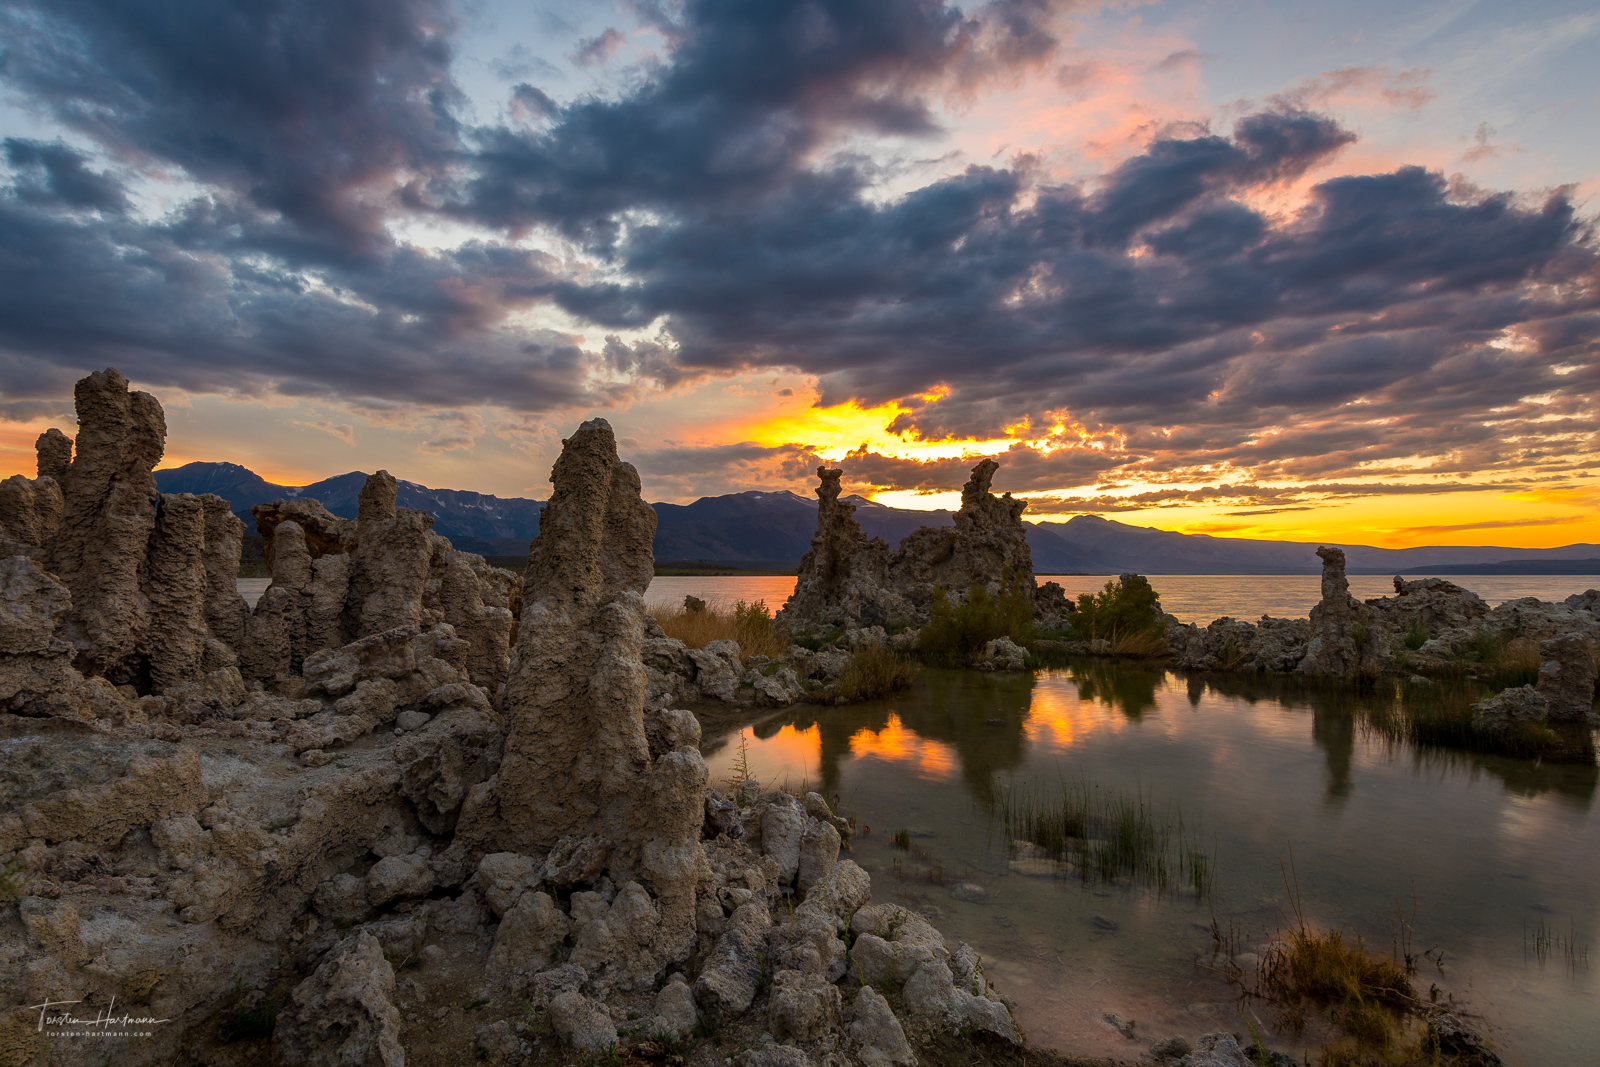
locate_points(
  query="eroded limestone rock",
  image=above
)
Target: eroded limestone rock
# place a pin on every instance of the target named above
(577, 760)
(851, 582)
(1347, 638)
(343, 1015)
(1567, 675)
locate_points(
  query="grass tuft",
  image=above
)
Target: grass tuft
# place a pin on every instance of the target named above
(748, 624)
(872, 672)
(1107, 837)
(11, 883)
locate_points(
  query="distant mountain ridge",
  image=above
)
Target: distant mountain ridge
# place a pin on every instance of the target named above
(456, 512)
(761, 527)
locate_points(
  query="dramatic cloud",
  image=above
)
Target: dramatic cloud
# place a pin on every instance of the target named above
(713, 214)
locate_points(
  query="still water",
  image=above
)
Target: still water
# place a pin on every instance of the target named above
(1482, 849)
(1197, 598)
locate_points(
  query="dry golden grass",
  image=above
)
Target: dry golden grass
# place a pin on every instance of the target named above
(1140, 644)
(1330, 971)
(874, 671)
(748, 624)
(1519, 658)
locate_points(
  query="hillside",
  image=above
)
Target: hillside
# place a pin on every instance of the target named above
(765, 529)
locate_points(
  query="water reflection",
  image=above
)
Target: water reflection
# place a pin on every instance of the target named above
(956, 723)
(1130, 688)
(1258, 766)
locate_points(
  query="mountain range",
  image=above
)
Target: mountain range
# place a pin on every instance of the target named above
(772, 530)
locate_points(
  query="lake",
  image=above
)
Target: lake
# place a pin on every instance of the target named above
(1197, 598)
(1278, 784)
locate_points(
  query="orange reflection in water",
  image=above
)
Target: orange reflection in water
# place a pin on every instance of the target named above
(1058, 717)
(787, 750)
(933, 760)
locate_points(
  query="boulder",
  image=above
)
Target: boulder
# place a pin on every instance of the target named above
(819, 851)
(717, 670)
(728, 982)
(529, 936)
(1567, 675)
(343, 1015)
(809, 944)
(880, 1035)
(675, 1012)
(843, 890)
(783, 828)
(1509, 708)
(801, 1007)
(1002, 654)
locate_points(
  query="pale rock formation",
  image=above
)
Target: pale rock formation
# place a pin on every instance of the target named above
(53, 450)
(809, 944)
(1231, 645)
(898, 950)
(225, 610)
(1509, 708)
(36, 673)
(529, 936)
(1431, 603)
(1002, 654)
(841, 578)
(109, 513)
(727, 983)
(1567, 675)
(675, 1012)
(802, 1007)
(987, 541)
(880, 1035)
(135, 561)
(1347, 638)
(336, 580)
(577, 759)
(851, 582)
(30, 511)
(343, 1015)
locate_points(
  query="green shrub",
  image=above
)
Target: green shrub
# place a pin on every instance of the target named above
(1124, 608)
(10, 879)
(1417, 636)
(873, 672)
(957, 632)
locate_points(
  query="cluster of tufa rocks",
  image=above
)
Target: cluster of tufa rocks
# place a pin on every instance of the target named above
(407, 806)
(849, 582)
(1429, 626)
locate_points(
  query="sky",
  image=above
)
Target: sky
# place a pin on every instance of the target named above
(1273, 270)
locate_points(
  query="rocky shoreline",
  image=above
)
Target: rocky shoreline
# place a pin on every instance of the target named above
(412, 808)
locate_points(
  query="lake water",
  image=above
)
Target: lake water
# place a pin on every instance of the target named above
(1197, 598)
(1484, 849)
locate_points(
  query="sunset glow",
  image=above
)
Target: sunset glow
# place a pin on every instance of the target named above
(1269, 273)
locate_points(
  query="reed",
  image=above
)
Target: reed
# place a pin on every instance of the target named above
(750, 625)
(872, 672)
(1439, 715)
(1107, 836)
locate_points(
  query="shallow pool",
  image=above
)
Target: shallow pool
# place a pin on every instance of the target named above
(1277, 784)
